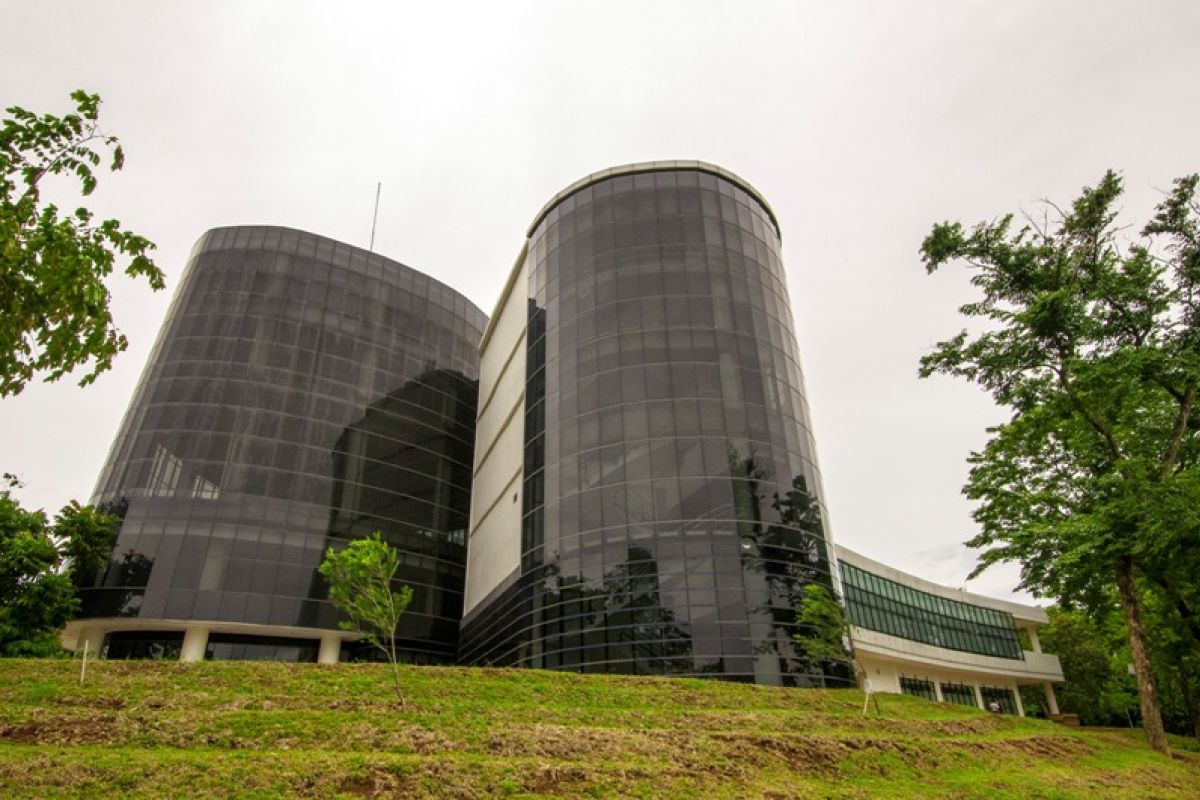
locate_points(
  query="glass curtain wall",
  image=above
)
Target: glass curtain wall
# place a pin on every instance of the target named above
(672, 508)
(960, 694)
(302, 393)
(882, 605)
(1001, 697)
(918, 687)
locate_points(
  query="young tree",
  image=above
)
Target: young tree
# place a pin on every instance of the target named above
(824, 631)
(37, 572)
(1095, 348)
(52, 266)
(361, 584)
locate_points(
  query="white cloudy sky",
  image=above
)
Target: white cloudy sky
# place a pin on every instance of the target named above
(862, 124)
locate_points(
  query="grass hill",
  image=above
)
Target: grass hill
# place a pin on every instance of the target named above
(246, 729)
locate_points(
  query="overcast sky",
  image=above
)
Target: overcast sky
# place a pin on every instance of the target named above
(861, 123)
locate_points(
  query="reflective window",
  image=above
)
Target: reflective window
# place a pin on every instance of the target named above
(882, 605)
(301, 393)
(672, 514)
(997, 698)
(960, 694)
(918, 687)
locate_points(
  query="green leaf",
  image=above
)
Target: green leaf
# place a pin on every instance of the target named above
(55, 307)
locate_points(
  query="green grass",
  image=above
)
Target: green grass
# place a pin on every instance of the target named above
(261, 730)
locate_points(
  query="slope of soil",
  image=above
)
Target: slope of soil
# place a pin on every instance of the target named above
(245, 729)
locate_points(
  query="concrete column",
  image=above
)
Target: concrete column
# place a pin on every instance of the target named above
(1033, 639)
(937, 691)
(1016, 690)
(978, 697)
(331, 649)
(94, 637)
(195, 642)
(1051, 700)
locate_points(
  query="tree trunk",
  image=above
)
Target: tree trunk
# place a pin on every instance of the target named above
(396, 683)
(1147, 693)
(395, 669)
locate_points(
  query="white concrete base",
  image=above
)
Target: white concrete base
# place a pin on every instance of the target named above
(885, 675)
(92, 638)
(331, 649)
(196, 633)
(1051, 700)
(195, 642)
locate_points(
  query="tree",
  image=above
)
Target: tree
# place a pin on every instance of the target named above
(54, 305)
(1098, 687)
(362, 586)
(824, 631)
(823, 637)
(38, 568)
(1176, 658)
(1094, 346)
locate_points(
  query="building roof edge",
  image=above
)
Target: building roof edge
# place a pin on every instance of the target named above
(654, 166)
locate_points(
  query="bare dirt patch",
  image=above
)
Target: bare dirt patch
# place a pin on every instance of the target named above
(576, 744)
(556, 780)
(805, 754)
(72, 731)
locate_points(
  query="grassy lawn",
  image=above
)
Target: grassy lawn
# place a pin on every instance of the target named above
(254, 729)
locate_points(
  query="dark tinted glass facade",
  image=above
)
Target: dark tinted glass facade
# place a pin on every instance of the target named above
(918, 687)
(302, 392)
(672, 509)
(1002, 697)
(882, 605)
(959, 694)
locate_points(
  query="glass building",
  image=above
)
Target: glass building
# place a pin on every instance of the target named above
(302, 392)
(912, 636)
(893, 608)
(615, 473)
(668, 510)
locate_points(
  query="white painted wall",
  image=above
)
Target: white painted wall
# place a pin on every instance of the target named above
(494, 542)
(1033, 668)
(885, 677)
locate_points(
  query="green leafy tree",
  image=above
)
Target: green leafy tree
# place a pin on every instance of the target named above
(362, 585)
(54, 305)
(823, 636)
(1093, 344)
(1176, 657)
(824, 631)
(85, 535)
(38, 593)
(1098, 686)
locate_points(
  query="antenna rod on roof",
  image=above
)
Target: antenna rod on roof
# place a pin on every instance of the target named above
(375, 216)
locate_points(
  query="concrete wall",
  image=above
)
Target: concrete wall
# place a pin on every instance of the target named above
(494, 543)
(1035, 667)
(92, 632)
(884, 677)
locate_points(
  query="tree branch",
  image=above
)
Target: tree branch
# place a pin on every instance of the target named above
(1110, 441)
(1180, 427)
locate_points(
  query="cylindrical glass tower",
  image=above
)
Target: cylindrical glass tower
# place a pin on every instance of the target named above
(672, 509)
(302, 392)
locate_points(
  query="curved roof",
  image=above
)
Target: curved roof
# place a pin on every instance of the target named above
(654, 166)
(341, 251)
